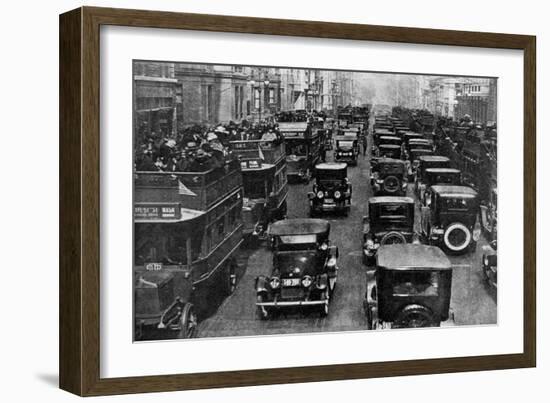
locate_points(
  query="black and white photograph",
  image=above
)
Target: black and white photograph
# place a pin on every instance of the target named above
(284, 200)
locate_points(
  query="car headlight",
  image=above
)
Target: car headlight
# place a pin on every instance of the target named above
(324, 246)
(320, 194)
(274, 282)
(337, 194)
(307, 281)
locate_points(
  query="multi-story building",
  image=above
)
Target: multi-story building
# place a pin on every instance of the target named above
(212, 94)
(477, 97)
(155, 100)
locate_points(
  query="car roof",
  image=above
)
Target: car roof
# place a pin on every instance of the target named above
(443, 170)
(454, 190)
(415, 140)
(389, 145)
(433, 158)
(390, 137)
(421, 150)
(292, 126)
(411, 257)
(390, 199)
(299, 226)
(390, 161)
(334, 166)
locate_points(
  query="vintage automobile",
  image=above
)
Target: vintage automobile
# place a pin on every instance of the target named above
(425, 162)
(401, 128)
(389, 177)
(393, 140)
(304, 268)
(416, 144)
(414, 159)
(332, 190)
(488, 215)
(389, 151)
(379, 132)
(347, 148)
(390, 220)
(410, 288)
(436, 176)
(489, 264)
(409, 135)
(449, 218)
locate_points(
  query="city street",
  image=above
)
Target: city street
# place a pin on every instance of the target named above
(472, 301)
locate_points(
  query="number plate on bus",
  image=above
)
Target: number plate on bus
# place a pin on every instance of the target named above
(153, 266)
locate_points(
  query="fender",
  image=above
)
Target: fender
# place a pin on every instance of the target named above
(261, 284)
(322, 281)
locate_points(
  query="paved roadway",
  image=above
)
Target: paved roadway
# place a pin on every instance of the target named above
(472, 301)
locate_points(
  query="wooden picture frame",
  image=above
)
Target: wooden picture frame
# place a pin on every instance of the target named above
(80, 188)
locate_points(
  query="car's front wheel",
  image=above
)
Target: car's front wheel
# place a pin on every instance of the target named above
(188, 323)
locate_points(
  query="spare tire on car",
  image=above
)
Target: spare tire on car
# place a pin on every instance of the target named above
(457, 238)
(415, 316)
(393, 237)
(391, 184)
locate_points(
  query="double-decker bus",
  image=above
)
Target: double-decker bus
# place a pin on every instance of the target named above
(263, 165)
(302, 146)
(187, 231)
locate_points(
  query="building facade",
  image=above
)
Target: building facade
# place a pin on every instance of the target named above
(169, 97)
(155, 100)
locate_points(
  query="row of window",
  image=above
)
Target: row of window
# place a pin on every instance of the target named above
(224, 225)
(472, 88)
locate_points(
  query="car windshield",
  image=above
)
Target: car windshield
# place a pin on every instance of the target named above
(392, 211)
(447, 178)
(418, 283)
(298, 239)
(295, 242)
(330, 176)
(455, 204)
(385, 168)
(159, 243)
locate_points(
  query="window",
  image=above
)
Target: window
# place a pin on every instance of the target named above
(256, 98)
(158, 243)
(237, 101)
(272, 95)
(241, 97)
(415, 283)
(208, 102)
